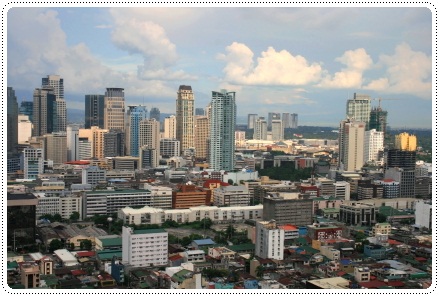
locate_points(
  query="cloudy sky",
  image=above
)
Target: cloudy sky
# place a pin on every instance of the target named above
(299, 60)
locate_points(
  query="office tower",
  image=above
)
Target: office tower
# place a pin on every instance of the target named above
(288, 209)
(269, 240)
(294, 120)
(358, 108)
(149, 140)
(378, 119)
(12, 122)
(94, 111)
(114, 143)
(72, 142)
(56, 147)
(277, 130)
(199, 112)
(260, 132)
(57, 83)
(95, 136)
(400, 165)
(135, 115)
(33, 162)
(24, 129)
(373, 146)
(154, 113)
(84, 148)
(222, 131)
(251, 121)
(185, 117)
(287, 121)
(169, 147)
(272, 116)
(351, 145)
(170, 127)
(44, 111)
(201, 137)
(27, 108)
(114, 109)
(400, 159)
(405, 142)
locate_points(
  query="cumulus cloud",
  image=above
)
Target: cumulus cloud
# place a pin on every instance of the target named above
(272, 67)
(139, 36)
(356, 62)
(407, 72)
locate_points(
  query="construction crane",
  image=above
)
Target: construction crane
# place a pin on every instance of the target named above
(380, 99)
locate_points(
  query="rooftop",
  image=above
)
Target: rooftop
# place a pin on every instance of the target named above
(149, 231)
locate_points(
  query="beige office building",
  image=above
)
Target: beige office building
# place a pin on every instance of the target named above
(56, 147)
(170, 127)
(201, 136)
(95, 136)
(114, 109)
(185, 117)
(351, 145)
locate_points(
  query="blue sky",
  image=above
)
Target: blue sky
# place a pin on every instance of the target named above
(299, 60)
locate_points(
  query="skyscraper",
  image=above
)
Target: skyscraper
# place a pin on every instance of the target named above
(294, 120)
(358, 108)
(272, 116)
(57, 83)
(378, 119)
(351, 145)
(33, 162)
(277, 130)
(170, 127)
(251, 121)
(44, 111)
(56, 147)
(27, 108)
(72, 142)
(135, 115)
(287, 121)
(154, 113)
(114, 143)
(94, 111)
(12, 122)
(222, 131)
(149, 141)
(405, 142)
(373, 146)
(185, 117)
(114, 109)
(201, 136)
(260, 132)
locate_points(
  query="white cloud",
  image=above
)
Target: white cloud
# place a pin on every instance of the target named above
(272, 67)
(356, 62)
(407, 72)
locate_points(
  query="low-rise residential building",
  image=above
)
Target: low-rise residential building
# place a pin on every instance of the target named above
(194, 256)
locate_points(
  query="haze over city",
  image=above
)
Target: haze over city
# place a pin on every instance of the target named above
(307, 61)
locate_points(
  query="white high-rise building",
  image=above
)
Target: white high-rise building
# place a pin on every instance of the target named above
(144, 248)
(72, 142)
(351, 145)
(222, 131)
(185, 117)
(373, 146)
(277, 130)
(114, 109)
(170, 127)
(260, 132)
(359, 108)
(33, 162)
(149, 142)
(251, 121)
(24, 129)
(269, 240)
(84, 148)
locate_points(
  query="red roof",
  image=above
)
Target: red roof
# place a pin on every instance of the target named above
(394, 242)
(420, 259)
(214, 181)
(175, 257)
(388, 180)
(288, 227)
(78, 272)
(78, 162)
(86, 254)
(377, 283)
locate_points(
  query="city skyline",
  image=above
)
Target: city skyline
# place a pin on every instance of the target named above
(321, 57)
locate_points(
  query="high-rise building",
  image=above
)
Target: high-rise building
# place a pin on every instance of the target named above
(351, 145)
(185, 117)
(294, 120)
(154, 113)
(169, 147)
(94, 111)
(400, 165)
(44, 112)
(149, 136)
(373, 146)
(84, 148)
(201, 136)
(114, 143)
(33, 162)
(287, 120)
(358, 108)
(260, 132)
(199, 112)
(12, 122)
(135, 115)
(222, 131)
(272, 116)
(170, 127)
(405, 142)
(72, 142)
(400, 159)
(57, 83)
(24, 129)
(277, 130)
(378, 119)
(27, 108)
(56, 147)
(114, 109)
(251, 121)
(269, 240)
(95, 136)
(288, 208)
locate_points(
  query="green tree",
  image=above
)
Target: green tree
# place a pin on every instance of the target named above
(74, 216)
(57, 218)
(260, 271)
(381, 218)
(206, 223)
(55, 244)
(170, 224)
(230, 231)
(86, 244)
(213, 272)
(230, 181)
(70, 246)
